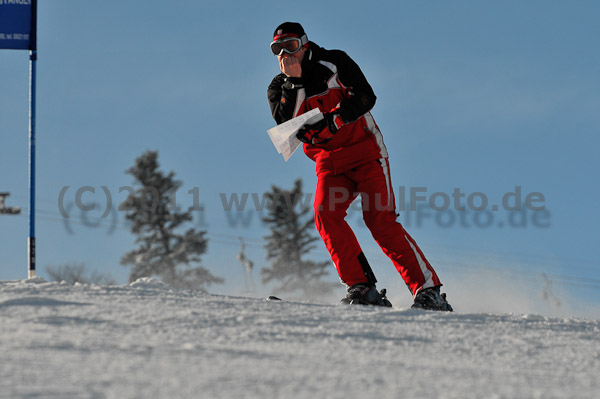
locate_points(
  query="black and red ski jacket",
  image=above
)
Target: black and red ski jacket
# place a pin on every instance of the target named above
(332, 82)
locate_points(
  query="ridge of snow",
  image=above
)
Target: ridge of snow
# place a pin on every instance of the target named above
(149, 340)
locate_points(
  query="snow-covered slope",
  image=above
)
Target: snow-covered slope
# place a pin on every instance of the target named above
(148, 341)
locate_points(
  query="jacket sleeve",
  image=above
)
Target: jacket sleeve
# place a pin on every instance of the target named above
(361, 97)
(282, 94)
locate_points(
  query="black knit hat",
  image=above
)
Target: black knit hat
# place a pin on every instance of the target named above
(289, 29)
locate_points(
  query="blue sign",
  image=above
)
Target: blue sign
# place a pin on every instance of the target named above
(17, 24)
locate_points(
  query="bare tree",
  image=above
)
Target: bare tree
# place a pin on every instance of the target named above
(77, 272)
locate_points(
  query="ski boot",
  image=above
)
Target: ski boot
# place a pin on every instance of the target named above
(363, 294)
(431, 299)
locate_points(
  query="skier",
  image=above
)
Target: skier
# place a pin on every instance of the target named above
(351, 158)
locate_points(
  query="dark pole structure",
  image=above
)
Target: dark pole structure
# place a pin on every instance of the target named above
(32, 100)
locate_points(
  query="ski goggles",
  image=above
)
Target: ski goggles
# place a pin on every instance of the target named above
(288, 45)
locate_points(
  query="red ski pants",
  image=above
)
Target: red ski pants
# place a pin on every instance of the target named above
(334, 195)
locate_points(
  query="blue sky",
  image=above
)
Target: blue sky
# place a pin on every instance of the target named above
(480, 96)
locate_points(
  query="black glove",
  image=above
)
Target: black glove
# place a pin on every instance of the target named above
(322, 131)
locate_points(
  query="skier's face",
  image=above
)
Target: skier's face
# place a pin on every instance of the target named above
(298, 55)
(291, 64)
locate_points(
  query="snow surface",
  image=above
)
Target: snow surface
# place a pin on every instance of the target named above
(147, 341)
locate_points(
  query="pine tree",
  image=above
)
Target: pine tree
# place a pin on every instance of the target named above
(291, 224)
(163, 251)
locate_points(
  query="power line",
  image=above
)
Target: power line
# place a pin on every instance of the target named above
(95, 222)
(231, 240)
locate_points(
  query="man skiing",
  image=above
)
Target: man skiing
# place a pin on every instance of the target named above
(351, 158)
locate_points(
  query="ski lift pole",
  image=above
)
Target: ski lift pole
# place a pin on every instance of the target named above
(32, 101)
